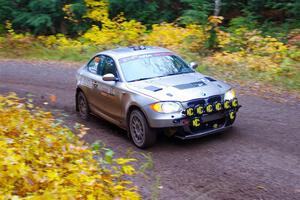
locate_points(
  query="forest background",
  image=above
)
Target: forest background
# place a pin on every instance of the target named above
(243, 40)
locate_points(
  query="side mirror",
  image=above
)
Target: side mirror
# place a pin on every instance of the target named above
(109, 77)
(193, 65)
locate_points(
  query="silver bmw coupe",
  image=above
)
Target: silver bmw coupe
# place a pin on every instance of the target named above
(149, 90)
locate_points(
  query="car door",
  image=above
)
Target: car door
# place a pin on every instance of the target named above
(108, 96)
(89, 80)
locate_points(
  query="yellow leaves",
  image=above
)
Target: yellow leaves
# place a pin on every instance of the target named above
(69, 13)
(167, 35)
(294, 53)
(115, 32)
(223, 38)
(15, 41)
(266, 46)
(97, 10)
(215, 20)
(82, 130)
(59, 41)
(128, 169)
(122, 161)
(174, 37)
(91, 197)
(52, 175)
(39, 160)
(249, 49)
(251, 61)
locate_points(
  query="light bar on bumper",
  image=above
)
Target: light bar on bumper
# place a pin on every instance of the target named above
(198, 114)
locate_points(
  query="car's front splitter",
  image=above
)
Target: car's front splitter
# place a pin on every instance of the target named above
(202, 133)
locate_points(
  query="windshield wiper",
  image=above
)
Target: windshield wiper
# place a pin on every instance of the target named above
(140, 79)
(178, 73)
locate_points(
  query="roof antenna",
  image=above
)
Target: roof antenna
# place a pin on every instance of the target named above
(136, 48)
(142, 47)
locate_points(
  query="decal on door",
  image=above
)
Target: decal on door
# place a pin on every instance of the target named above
(107, 90)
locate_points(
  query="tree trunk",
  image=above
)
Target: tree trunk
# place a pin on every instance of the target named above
(63, 27)
(217, 7)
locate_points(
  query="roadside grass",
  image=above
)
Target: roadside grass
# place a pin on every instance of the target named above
(242, 74)
(39, 52)
(234, 73)
(155, 188)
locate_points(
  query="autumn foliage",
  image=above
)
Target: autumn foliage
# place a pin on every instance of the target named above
(42, 159)
(220, 50)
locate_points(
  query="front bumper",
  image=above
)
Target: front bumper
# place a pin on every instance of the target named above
(191, 124)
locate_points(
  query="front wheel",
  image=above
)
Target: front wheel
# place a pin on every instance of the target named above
(142, 135)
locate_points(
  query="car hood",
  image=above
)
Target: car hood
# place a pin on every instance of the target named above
(181, 87)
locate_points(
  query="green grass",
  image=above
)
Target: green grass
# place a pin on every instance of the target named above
(39, 52)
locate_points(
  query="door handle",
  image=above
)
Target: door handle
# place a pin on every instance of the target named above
(95, 84)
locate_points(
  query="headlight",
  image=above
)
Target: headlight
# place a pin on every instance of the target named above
(166, 107)
(229, 95)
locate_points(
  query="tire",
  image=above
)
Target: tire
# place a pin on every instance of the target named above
(141, 134)
(83, 107)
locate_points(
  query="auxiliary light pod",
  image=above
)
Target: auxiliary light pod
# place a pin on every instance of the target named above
(209, 108)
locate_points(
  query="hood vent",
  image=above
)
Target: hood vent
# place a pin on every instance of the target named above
(153, 88)
(189, 85)
(210, 79)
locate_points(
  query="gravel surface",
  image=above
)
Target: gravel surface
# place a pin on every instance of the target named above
(259, 158)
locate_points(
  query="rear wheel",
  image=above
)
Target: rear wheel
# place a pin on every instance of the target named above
(142, 135)
(82, 105)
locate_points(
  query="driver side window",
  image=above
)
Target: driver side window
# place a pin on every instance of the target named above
(94, 65)
(108, 66)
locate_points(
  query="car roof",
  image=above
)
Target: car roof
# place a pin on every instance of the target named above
(124, 52)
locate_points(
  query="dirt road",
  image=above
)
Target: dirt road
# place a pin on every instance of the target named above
(257, 159)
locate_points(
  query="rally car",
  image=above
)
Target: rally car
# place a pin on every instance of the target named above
(146, 89)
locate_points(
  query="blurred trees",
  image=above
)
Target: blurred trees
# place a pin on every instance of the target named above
(41, 16)
(197, 11)
(45, 17)
(146, 11)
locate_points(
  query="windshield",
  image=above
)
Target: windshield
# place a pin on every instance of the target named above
(149, 66)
